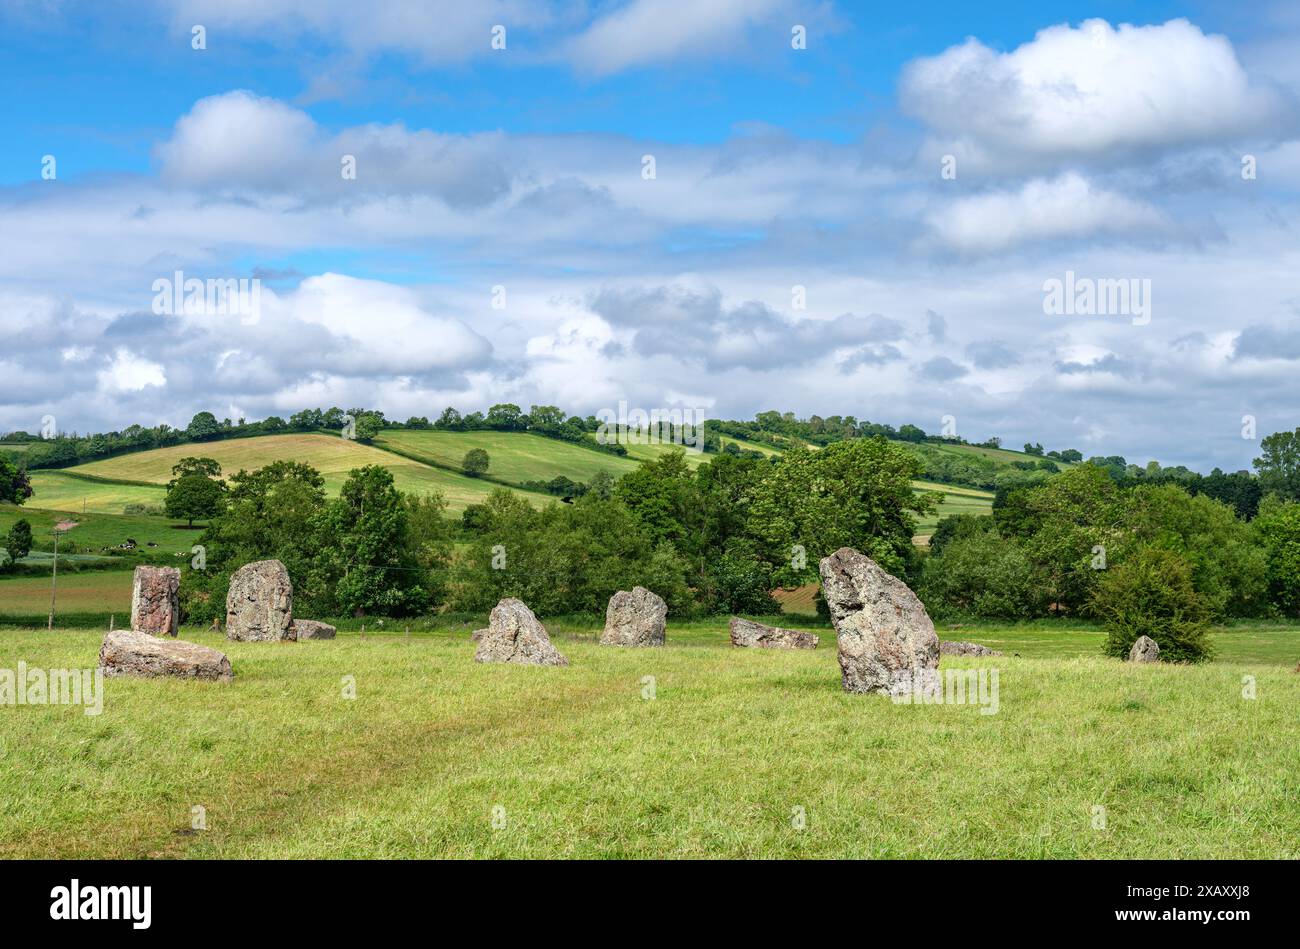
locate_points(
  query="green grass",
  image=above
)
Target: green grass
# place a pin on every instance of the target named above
(515, 456)
(96, 531)
(582, 766)
(333, 457)
(60, 491)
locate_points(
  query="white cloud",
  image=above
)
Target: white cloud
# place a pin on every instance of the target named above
(128, 372)
(1088, 92)
(1064, 207)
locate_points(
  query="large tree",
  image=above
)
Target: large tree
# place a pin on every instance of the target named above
(15, 487)
(1279, 465)
(18, 542)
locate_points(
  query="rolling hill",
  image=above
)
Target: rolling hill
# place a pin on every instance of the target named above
(420, 460)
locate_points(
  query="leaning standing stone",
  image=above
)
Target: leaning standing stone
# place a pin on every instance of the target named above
(259, 606)
(745, 632)
(312, 629)
(155, 600)
(634, 619)
(1145, 649)
(128, 652)
(886, 639)
(514, 634)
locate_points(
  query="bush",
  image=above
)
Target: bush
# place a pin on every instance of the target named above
(153, 510)
(981, 574)
(1151, 594)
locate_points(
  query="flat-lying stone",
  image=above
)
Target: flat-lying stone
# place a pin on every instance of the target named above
(128, 652)
(966, 649)
(259, 606)
(1145, 649)
(312, 629)
(514, 634)
(155, 600)
(745, 632)
(885, 637)
(634, 618)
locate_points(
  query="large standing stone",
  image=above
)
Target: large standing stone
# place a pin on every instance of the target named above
(312, 629)
(634, 619)
(886, 639)
(155, 600)
(514, 634)
(745, 632)
(259, 606)
(128, 652)
(966, 649)
(1145, 649)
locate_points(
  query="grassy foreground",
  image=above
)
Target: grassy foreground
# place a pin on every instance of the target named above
(578, 762)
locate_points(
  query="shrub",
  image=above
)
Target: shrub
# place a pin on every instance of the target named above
(1151, 594)
(981, 574)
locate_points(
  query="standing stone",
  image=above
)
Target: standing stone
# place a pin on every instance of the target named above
(886, 639)
(1145, 649)
(259, 606)
(634, 619)
(312, 629)
(745, 632)
(514, 634)
(128, 652)
(155, 601)
(966, 649)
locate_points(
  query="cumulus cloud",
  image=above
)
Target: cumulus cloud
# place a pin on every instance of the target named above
(1086, 92)
(1065, 207)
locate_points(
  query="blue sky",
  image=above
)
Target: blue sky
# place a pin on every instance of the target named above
(1103, 139)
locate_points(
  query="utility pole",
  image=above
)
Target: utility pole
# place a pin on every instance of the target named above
(54, 581)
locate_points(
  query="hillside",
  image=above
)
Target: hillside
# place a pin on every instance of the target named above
(420, 460)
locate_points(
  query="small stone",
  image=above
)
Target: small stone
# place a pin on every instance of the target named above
(634, 618)
(514, 634)
(128, 652)
(259, 606)
(966, 649)
(155, 600)
(745, 632)
(1145, 649)
(312, 629)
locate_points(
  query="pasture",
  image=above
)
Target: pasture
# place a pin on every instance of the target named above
(693, 750)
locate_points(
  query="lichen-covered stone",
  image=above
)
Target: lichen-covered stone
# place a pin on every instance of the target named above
(128, 652)
(514, 634)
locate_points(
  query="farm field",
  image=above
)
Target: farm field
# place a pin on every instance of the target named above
(579, 764)
(333, 457)
(515, 456)
(96, 531)
(60, 491)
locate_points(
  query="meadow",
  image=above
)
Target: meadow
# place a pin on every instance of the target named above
(722, 753)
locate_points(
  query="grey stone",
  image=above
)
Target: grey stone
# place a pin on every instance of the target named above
(312, 629)
(155, 600)
(1145, 649)
(477, 635)
(259, 606)
(128, 652)
(966, 649)
(745, 632)
(885, 637)
(514, 634)
(634, 618)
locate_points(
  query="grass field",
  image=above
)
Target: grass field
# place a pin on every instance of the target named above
(576, 763)
(332, 457)
(86, 592)
(59, 491)
(96, 531)
(515, 456)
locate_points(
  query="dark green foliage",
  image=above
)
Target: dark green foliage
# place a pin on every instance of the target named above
(15, 488)
(1152, 594)
(18, 541)
(475, 463)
